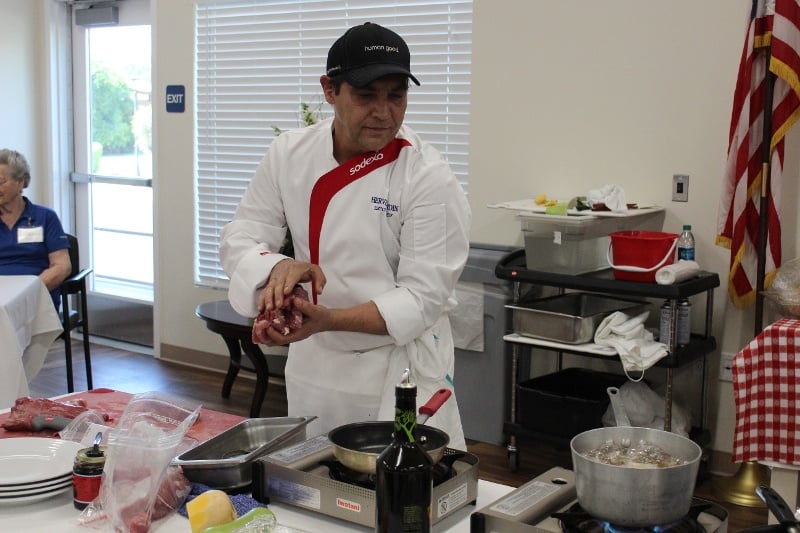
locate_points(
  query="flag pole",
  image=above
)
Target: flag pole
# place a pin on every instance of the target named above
(763, 213)
(740, 489)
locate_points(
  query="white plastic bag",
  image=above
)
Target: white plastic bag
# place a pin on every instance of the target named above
(645, 408)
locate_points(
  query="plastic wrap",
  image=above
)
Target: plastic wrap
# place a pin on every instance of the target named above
(138, 488)
(785, 288)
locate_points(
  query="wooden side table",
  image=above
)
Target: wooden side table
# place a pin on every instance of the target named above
(237, 331)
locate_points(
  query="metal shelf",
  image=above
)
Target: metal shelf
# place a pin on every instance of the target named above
(698, 347)
(513, 267)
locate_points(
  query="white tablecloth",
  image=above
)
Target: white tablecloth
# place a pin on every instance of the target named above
(29, 324)
(58, 514)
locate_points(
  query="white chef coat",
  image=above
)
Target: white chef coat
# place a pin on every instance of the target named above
(398, 236)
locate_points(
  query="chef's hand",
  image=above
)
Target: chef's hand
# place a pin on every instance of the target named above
(284, 276)
(362, 318)
(316, 318)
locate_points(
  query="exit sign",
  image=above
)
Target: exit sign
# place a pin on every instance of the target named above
(176, 98)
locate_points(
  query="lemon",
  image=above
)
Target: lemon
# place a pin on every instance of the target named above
(539, 200)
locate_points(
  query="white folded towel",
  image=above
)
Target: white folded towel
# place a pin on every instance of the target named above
(613, 196)
(677, 272)
(633, 342)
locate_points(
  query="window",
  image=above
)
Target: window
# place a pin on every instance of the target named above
(121, 195)
(257, 61)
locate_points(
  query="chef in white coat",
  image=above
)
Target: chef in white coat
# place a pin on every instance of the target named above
(380, 228)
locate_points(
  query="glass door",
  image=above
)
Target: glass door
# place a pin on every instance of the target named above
(113, 169)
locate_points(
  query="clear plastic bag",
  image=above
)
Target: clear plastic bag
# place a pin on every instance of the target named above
(85, 427)
(137, 486)
(785, 288)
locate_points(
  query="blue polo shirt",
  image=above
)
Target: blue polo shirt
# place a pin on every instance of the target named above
(32, 258)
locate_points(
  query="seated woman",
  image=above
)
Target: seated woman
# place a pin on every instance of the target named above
(32, 240)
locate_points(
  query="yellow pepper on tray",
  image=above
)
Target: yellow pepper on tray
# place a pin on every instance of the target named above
(211, 508)
(544, 201)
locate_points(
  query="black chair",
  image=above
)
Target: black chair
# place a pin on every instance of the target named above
(75, 284)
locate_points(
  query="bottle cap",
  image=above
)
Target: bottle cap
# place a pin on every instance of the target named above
(406, 388)
(687, 227)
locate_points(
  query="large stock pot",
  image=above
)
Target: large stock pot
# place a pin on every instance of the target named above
(634, 496)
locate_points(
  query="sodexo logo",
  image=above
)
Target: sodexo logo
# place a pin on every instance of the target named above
(366, 161)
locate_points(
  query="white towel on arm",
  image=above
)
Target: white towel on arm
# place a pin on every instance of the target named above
(633, 342)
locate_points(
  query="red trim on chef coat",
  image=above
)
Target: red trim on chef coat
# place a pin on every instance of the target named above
(337, 179)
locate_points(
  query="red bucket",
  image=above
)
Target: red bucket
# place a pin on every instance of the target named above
(639, 254)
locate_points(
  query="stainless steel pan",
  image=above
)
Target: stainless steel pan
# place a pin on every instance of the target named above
(358, 445)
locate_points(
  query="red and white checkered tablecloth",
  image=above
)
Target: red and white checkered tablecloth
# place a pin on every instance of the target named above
(766, 387)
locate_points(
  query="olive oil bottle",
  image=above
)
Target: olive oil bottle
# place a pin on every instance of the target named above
(404, 472)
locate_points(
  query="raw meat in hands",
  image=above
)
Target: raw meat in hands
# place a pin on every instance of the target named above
(285, 320)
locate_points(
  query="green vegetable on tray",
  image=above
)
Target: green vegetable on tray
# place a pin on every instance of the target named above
(261, 515)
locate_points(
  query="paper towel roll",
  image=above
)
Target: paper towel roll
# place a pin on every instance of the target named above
(677, 272)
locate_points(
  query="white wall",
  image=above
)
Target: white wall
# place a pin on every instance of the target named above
(567, 96)
(20, 116)
(30, 47)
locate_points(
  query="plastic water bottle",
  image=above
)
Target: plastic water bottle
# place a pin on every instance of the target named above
(686, 244)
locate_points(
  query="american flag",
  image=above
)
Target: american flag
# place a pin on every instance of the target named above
(773, 35)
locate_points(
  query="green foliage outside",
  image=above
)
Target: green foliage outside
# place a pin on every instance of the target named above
(112, 112)
(97, 154)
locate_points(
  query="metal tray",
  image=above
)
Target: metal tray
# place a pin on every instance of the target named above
(569, 318)
(225, 461)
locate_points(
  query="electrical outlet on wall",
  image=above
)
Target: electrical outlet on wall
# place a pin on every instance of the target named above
(680, 187)
(726, 367)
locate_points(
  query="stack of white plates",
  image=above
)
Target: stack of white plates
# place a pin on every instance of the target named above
(33, 469)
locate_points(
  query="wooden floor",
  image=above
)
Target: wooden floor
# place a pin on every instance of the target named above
(133, 372)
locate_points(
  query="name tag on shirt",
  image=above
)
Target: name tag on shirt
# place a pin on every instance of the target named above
(29, 235)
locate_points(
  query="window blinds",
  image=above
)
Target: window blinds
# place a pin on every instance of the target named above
(256, 61)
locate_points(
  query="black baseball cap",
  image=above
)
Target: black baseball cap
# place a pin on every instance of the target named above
(368, 52)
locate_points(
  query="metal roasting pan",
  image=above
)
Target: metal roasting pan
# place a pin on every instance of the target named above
(225, 461)
(570, 318)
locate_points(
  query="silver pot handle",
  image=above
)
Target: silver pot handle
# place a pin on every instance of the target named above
(620, 415)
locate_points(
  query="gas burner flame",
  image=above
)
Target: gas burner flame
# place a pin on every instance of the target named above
(611, 528)
(679, 525)
(714, 519)
(576, 519)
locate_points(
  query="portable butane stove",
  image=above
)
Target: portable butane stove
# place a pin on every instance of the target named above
(307, 475)
(548, 504)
